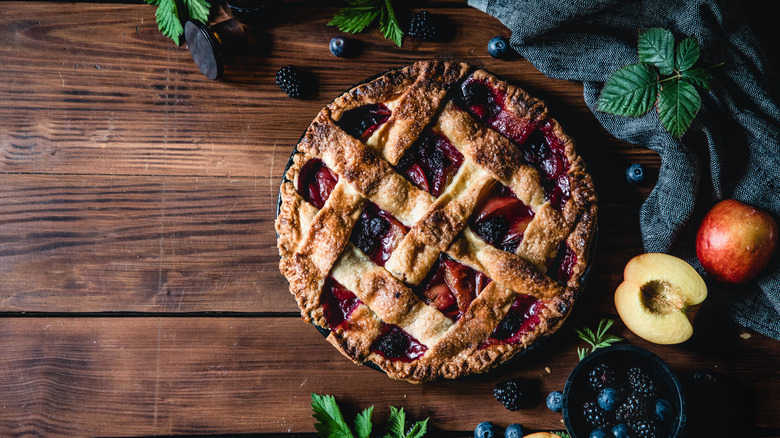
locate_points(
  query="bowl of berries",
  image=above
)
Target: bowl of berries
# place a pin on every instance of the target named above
(623, 391)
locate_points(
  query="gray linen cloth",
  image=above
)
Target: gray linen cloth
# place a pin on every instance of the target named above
(732, 150)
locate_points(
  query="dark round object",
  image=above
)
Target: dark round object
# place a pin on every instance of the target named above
(620, 358)
(498, 47)
(514, 430)
(555, 401)
(635, 173)
(291, 81)
(423, 26)
(608, 399)
(485, 429)
(516, 394)
(339, 46)
(210, 46)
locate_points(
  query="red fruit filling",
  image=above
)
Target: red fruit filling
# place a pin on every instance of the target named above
(500, 219)
(362, 121)
(337, 303)
(545, 151)
(486, 104)
(377, 233)
(451, 287)
(395, 344)
(431, 162)
(316, 182)
(522, 317)
(562, 265)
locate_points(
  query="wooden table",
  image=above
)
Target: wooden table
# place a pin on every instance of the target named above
(140, 293)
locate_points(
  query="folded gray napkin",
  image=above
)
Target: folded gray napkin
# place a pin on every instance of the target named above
(732, 150)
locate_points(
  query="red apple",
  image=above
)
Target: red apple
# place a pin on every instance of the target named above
(736, 241)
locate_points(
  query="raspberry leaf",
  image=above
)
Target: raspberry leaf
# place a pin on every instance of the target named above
(396, 423)
(361, 13)
(698, 77)
(630, 91)
(388, 25)
(656, 47)
(687, 54)
(363, 423)
(330, 423)
(678, 103)
(168, 21)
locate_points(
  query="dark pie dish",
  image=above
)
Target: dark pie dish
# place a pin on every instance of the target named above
(435, 222)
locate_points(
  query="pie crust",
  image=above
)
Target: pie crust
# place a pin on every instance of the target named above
(495, 126)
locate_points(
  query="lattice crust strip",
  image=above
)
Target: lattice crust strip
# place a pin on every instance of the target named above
(315, 244)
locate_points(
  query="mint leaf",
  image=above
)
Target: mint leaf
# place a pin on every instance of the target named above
(698, 77)
(678, 103)
(656, 47)
(396, 423)
(330, 423)
(630, 91)
(687, 54)
(363, 423)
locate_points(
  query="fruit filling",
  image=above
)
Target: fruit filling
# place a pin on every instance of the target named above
(562, 265)
(377, 233)
(316, 182)
(486, 104)
(451, 287)
(431, 162)
(395, 344)
(522, 317)
(337, 303)
(500, 219)
(544, 151)
(362, 121)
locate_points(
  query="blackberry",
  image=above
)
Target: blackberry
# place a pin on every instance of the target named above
(492, 230)
(601, 376)
(392, 345)
(516, 394)
(645, 428)
(635, 407)
(595, 415)
(641, 382)
(422, 26)
(291, 81)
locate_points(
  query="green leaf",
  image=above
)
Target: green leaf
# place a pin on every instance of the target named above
(363, 423)
(698, 77)
(168, 20)
(330, 423)
(198, 9)
(152, 2)
(418, 430)
(388, 24)
(396, 423)
(687, 54)
(354, 19)
(562, 434)
(678, 103)
(656, 47)
(630, 91)
(582, 352)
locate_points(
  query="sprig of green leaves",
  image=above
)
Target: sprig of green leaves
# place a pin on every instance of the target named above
(597, 339)
(664, 77)
(171, 14)
(331, 424)
(361, 13)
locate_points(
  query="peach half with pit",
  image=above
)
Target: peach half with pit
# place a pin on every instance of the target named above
(658, 297)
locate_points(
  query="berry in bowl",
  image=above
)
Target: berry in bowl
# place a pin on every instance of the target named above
(623, 391)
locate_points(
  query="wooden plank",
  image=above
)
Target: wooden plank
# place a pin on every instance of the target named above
(156, 376)
(96, 89)
(72, 243)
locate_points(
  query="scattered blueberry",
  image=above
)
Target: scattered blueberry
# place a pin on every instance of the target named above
(555, 401)
(635, 173)
(608, 399)
(598, 433)
(498, 47)
(484, 429)
(704, 375)
(339, 46)
(663, 410)
(514, 430)
(620, 430)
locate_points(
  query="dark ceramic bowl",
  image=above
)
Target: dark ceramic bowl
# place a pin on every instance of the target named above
(620, 358)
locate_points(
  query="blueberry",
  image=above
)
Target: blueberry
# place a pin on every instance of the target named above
(555, 401)
(608, 399)
(598, 433)
(704, 375)
(635, 173)
(498, 47)
(620, 430)
(338, 46)
(663, 410)
(484, 429)
(514, 430)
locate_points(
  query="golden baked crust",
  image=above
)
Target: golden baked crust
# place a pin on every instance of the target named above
(315, 244)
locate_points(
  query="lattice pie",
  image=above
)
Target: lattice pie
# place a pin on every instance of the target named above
(436, 221)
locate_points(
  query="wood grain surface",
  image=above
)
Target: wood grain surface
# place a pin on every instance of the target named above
(139, 285)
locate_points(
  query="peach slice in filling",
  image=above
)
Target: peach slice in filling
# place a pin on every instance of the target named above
(395, 344)
(337, 303)
(562, 265)
(362, 121)
(377, 233)
(523, 316)
(451, 287)
(316, 182)
(500, 219)
(431, 162)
